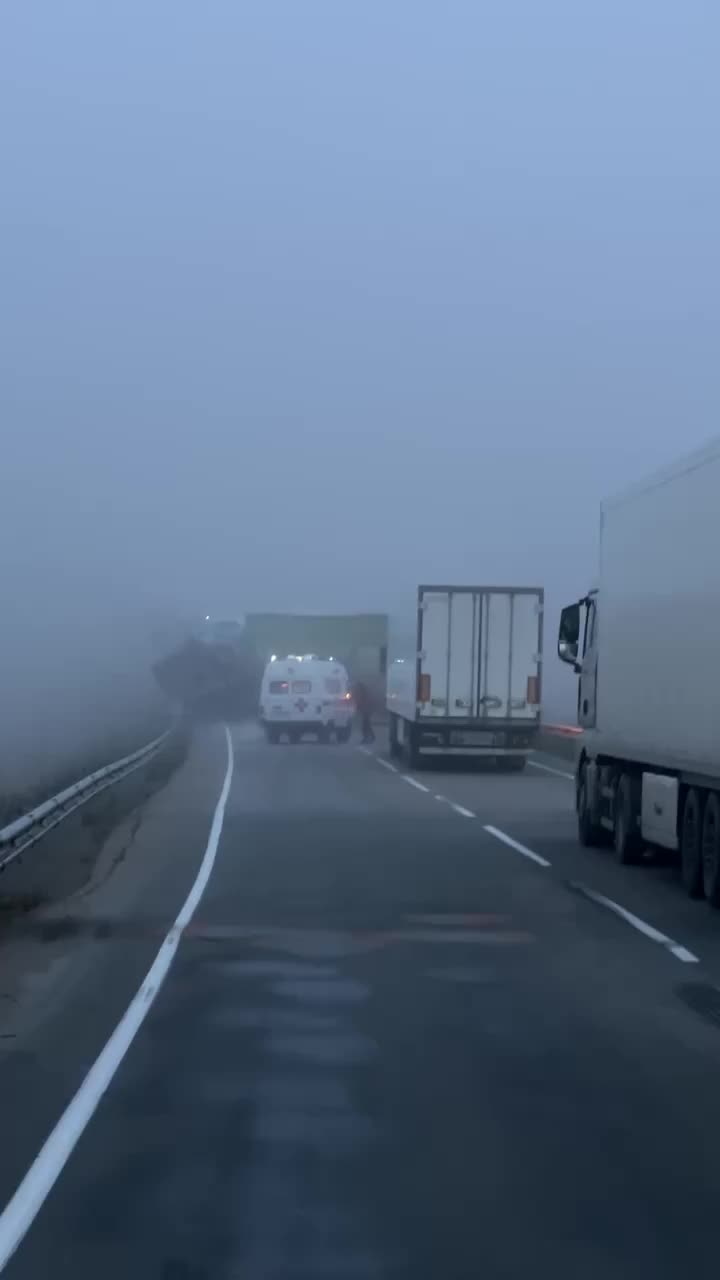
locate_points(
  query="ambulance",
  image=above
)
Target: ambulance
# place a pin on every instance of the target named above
(304, 694)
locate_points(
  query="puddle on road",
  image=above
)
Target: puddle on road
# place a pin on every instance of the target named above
(288, 969)
(273, 1019)
(311, 1129)
(481, 977)
(344, 1049)
(316, 991)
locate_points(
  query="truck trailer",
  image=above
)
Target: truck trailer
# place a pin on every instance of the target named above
(645, 644)
(464, 677)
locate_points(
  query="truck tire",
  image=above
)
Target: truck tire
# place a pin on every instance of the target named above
(589, 833)
(691, 860)
(273, 736)
(513, 764)
(626, 840)
(395, 748)
(412, 755)
(711, 849)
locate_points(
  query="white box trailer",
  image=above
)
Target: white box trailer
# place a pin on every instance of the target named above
(646, 647)
(465, 674)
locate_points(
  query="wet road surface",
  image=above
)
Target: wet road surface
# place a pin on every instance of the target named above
(390, 1044)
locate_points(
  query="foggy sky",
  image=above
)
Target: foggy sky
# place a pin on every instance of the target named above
(303, 303)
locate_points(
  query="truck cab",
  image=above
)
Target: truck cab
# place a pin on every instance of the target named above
(578, 646)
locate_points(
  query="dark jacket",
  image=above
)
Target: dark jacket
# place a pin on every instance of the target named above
(362, 698)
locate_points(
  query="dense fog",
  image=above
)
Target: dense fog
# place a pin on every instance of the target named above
(303, 304)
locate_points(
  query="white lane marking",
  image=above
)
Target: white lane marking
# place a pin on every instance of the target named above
(680, 953)
(515, 844)
(412, 782)
(683, 954)
(464, 813)
(546, 768)
(19, 1213)
(366, 751)
(386, 764)
(459, 808)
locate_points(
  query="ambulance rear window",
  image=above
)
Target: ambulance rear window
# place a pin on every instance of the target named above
(301, 686)
(278, 686)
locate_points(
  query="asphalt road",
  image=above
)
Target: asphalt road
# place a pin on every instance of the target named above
(391, 1043)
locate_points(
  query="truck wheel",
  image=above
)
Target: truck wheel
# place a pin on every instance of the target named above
(691, 861)
(395, 748)
(589, 833)
(273, 737)
(513, 764)
(626, 840)
(412, 755)
(711, 849)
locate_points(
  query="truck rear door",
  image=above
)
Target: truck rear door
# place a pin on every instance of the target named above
(510, 643)
(448, 666)
(479, 655)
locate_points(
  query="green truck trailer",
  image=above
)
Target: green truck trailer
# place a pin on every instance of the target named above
(358, 640)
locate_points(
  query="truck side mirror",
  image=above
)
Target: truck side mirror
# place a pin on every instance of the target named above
(569, 634)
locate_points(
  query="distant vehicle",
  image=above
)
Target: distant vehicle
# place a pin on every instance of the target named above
(356, 640)
(305, 694)
(469, 682)
(646, 646)
(214, 673)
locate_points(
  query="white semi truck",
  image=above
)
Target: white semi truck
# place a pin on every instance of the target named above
(464, 677)
(645, 644)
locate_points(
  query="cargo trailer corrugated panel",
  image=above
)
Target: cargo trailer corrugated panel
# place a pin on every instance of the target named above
(658, 678)
(480, 653)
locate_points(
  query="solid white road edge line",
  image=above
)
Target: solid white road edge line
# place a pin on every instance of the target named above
(546, 768)
(519, 848)
(386, 764)
(680, 953)
(19, 1213)
(412, 782)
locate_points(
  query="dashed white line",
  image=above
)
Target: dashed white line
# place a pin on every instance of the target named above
(385, 763)
(459, 808)
(649, 931)
(515, 844)
(419, 786)
(413, 782)
(546, 768)
(683, 954)
(20, 1212)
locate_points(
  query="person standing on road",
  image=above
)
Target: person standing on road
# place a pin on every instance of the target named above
(363, 706)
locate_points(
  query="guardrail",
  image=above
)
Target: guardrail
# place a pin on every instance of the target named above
(25, 831)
